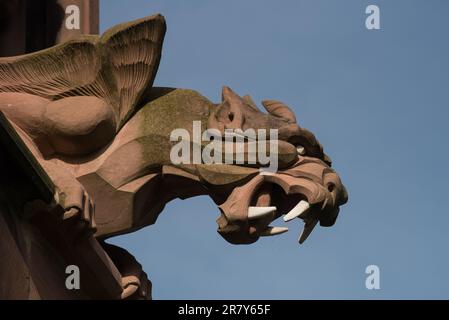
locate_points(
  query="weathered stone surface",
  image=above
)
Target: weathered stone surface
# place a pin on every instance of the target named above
(87, 112)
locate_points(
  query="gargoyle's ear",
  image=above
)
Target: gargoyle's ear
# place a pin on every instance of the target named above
(227, 95)
(279, 109)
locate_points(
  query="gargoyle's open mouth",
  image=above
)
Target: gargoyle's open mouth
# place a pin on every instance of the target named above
(309, 190)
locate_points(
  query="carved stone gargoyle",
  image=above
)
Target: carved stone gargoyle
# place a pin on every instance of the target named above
(89, 114)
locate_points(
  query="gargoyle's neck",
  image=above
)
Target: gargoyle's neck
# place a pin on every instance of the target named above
(139, 203)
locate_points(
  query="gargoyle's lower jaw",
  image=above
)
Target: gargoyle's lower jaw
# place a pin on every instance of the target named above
(310, 190)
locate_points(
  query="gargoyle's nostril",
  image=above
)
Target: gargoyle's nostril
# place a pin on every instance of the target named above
(330, 187)
(231, 116)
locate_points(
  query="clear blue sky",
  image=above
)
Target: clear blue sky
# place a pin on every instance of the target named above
(379, 103)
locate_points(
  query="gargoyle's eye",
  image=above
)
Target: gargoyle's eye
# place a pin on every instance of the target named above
(301, 150)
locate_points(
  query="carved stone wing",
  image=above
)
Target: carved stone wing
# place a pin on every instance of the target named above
(133, 51)
(64, 70)
(120, 67)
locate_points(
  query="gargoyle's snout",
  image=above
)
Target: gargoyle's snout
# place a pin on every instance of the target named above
(306, 187)
(309, 190)
(242, 113)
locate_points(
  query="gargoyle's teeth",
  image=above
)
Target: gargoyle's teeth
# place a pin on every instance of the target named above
(257, 212)
(301, 150)
(273, 231)
(297, 211)
(308, 228)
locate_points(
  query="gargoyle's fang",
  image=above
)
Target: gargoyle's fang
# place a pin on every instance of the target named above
(273, 231)
(257, 212)
(297, 211)
(308, 228)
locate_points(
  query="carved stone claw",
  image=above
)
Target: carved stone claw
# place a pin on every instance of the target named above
(79, 212)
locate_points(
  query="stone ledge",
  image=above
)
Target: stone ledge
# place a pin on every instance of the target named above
(35, 249)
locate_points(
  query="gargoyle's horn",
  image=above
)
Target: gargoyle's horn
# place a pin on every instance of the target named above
(228, 95)
(279, 109)
(250, 102)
